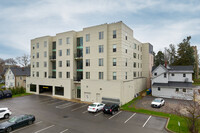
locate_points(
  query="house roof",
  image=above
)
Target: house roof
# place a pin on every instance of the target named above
(21, 71)
(174, 84)
(176, 68)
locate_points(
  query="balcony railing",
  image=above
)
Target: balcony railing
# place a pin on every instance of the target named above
(77, 78)
(78, 55)
(52, 77)
(52, 57)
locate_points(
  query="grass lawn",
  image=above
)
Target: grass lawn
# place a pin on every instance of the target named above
(173, 122)
(20, 95)
(1, 85)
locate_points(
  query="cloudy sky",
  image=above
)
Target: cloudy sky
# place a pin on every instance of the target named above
(160, 22)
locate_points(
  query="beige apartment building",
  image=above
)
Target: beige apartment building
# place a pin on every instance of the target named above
(102, 63)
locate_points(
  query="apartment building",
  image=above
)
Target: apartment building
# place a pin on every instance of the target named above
(102, 63)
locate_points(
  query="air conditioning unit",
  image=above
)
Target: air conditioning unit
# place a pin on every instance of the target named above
(186, 79)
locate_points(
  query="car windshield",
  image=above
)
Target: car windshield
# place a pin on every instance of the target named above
(156, 100)
(93, 105)
(14, 119)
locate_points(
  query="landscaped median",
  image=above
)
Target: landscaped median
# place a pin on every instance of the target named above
(173, 119)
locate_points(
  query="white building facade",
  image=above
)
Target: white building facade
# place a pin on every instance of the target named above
(172, 82)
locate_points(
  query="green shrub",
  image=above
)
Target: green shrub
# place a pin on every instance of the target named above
(17, 90)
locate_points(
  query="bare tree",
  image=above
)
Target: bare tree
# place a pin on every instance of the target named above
(2, 62)
(10, 61)
(23, 60)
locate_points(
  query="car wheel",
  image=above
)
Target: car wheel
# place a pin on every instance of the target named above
(8, 130)
(113, 112)
(97, 110)
(30, 122)
(6, 116)
(163, 104)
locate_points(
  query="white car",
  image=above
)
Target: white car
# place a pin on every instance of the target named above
(158, 102)
(95, 107)
(5, 113)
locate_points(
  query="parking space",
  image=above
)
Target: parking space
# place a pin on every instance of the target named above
(60, 116)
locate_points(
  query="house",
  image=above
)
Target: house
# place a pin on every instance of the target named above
(99, 63)
(16, 77)
(172, 82)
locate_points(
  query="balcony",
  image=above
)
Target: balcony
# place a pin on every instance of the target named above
(78, 55)
(77, 79)
(52, 77)
(52, 58)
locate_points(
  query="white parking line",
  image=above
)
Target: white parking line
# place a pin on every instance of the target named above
(115, 115)
(63, 105)
(26, 127)
(78, 108)
(48, 101)
(55, 102)
(98, 114)
(67, 106)
(84, 112)
(44, 129)
(64, 131)
(147, 121)
(129, 118)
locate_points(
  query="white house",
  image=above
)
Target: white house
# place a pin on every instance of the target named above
(172, 82)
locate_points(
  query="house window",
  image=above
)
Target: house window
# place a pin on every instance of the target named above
(33, 55)
(101, 62)
(165, 75)
(87, 75)
(59, 91)
(114, 75)
(125, 75)
(68, 63)
(68, 52)
(134, 74)
(184, 75)
(45, 53)
(68, 75)
(37, 74)
(45, 44)
(184, 89)
(126, 51)
(114, 34)
(20, 78)
(134, 55)
(135, 46)
(134, 64)
(60, 52)
(87, 50)
(87, 37)
(87, 61)
(33, 46)
(100, 75)
(37, 45)
(114, 62)
(101, 35)
(67, 40)
(60, 41)
(141, 57)
(173, 74)
(177, 89)
(38, 55)
(37, 64)
(159, 89)
(60, 63)
(126, 63)
(155, 74)
(33, 74)
(45, 74)
(60, 74)
(100, 48)
(114, 47)
(33, 64)
(138, 56)
(45, 64)
(126, 37)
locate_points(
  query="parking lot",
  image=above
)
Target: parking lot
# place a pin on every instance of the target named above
(60, 116)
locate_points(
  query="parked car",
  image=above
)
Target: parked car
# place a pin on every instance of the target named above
(158, 102)
(5, 113)
(95, 107)
(3, 87)
(1, 95)
(2, 82)
(7, 93)
(111, 108)
(16, 122)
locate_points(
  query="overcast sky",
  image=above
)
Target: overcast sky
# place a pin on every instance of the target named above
(160, 22)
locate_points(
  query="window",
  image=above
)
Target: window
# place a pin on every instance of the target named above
(114, 34)
(172, 74)
(126, 51)
(101, 62)
(100, 48)
(37, 45)
(45, 74)
(60, 63)
(134, 55)
(134, 74)
(138, 48)
(67, 40)
(68, 52)
(184, 75)
(87, 62)
(20, 78)
(184, 89)
(177, 89)
(60, 75)
(155, 74)
(45, 53)
(159, 89)
(138, 65)
(60, 41)
(141, 49)
(135, 46)
(126, 63)
(87, 37)
(33, 64)
(126, 37)
(37, 74)
(100, 75)
(114, 62)
(141, 57)
(59, 91)
(114, 47)
(38, 55)
(33, 46)
(45, 64)
(33, 55)
(165, 75)
(45, 44)
(125, 75)
(68, 75)
(68, 63)
(87, 50)
(101, 35)
(33, 88)
(114, 75)
(33, 74)
(138, 56)
(37, 64)
(87, 75)
(134, 64)
(60, 52)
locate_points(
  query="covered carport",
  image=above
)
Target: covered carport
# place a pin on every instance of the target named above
(44, 89)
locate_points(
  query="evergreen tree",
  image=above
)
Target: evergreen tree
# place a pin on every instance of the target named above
(159, 58)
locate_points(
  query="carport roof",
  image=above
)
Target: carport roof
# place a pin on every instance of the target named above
(174, 84)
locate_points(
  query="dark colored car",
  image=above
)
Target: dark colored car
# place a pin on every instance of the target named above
(7, 93)
(16, 122)
(1, 95)
(110, 108)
